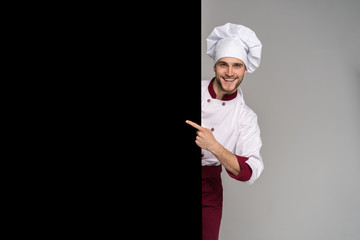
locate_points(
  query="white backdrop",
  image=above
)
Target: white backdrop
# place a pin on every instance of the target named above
(306, 94)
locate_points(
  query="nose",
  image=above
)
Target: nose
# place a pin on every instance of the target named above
(229, 72)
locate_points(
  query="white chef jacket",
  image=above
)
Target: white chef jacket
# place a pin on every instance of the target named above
(234, 125)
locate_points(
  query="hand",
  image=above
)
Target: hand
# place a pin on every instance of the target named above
(204, 139)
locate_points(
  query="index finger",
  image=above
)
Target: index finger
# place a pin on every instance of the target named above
(198, 127)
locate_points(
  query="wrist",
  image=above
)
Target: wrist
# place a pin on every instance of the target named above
(215, 148)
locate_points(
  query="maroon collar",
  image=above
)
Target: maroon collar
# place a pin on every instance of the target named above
(225, 97)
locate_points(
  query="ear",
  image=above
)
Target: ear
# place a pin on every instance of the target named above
(245, 71)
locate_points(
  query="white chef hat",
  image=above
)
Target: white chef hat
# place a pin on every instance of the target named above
(233, 40)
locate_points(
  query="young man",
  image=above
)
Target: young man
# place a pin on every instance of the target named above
(229, 134)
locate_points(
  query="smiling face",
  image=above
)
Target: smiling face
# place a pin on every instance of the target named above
(229, 74)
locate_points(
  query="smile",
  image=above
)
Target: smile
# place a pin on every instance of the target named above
(229, 80)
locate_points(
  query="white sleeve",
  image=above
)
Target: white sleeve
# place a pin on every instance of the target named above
(249, 142)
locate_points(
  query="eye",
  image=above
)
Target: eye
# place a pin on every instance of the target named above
(238, 65)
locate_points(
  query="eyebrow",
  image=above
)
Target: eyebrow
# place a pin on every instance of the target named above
(222, 62)
(241, 64)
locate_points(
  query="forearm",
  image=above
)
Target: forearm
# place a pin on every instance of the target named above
(206, 140)
(227, 159)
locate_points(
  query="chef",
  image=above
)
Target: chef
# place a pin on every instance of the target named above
(229, 134)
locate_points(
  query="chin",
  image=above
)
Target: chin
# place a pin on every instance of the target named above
(230, 87)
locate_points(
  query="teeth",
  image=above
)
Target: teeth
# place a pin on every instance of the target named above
(229, 80)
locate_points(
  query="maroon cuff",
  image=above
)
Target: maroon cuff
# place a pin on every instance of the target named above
(246, 171)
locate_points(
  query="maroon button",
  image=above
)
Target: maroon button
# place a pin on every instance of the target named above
(208, 100)
(202, 155)
(223, 104)
(212, 129)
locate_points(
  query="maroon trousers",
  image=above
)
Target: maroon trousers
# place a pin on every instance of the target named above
(212, 199)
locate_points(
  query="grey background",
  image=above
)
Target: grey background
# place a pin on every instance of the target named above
(306, 94)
